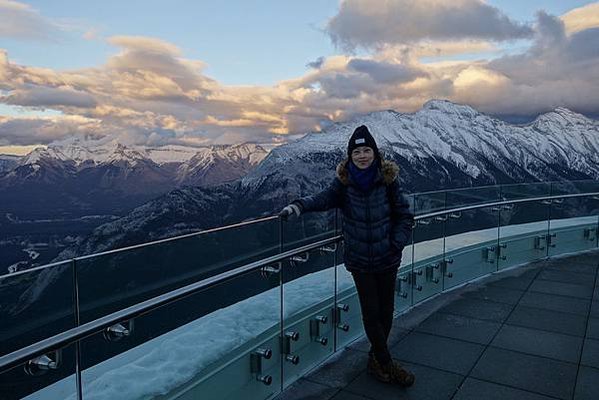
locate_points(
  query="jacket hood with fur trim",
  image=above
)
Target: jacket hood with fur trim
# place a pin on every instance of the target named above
(389, 171)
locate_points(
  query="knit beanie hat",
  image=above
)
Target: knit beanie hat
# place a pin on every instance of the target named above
(362, 137)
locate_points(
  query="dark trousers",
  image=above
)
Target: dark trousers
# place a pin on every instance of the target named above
(376, 292)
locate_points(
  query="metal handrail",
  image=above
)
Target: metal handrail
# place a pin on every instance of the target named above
(504, 202)
(24, 354)
(548, 183)
(188, 235)
(264, 219)
(146, 244)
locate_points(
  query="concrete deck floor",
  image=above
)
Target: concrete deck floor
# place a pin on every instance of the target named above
(531, 333)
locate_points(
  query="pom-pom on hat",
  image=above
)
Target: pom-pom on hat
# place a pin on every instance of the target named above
(362, 137)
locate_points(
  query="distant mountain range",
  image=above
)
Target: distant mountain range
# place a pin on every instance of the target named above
(8, 162)
(54, 196)
(444, 145)
(77, 179)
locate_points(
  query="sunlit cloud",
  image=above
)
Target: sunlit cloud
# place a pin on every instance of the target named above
(582, 18)
(149, 92)
(21, 21)
(42, 96)
(436, 50)
(45, 130)
(374, 23)
(18, 150)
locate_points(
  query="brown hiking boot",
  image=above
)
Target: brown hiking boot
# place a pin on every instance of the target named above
(400, 375)
(375, 369)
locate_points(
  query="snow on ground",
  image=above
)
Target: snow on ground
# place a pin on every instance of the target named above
(168, 361)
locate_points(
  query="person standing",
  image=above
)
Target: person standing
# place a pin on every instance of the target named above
(377, 225)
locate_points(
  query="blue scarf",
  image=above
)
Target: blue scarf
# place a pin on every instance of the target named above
(364, 178)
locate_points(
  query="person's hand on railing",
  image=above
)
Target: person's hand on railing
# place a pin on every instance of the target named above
(291, 209)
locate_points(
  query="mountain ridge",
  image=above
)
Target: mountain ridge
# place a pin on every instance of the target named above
(85, 178)
(441, 146)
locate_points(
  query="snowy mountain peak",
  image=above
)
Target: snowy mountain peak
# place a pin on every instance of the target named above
(562, 120)
(447, 107)
(40, 153)
(458, 135)
(125, 154)
(561, 115)
(210, 164)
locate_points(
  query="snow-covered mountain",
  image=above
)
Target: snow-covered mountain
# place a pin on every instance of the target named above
(8, 162)
(219, 164)
(444, 145)
(83, 177)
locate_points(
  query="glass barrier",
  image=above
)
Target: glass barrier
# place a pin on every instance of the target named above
(178, 348)
(346, 317)
(525, 190)
(308, 292)
(471, 235)
(204, 343)
(523, 227)
(113, 281)
(572, 224)
(587, 186)
(425, 203)
(472, 196)
(308, 228)
(33, 379)
(35, 305)
(429, 245)
(403, 288)
(404, 298)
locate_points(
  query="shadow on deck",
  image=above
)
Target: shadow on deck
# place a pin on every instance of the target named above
(530, 333)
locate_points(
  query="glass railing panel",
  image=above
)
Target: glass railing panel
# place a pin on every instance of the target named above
(525, 190)
(428, 232)
(347, 317)
(347, 314)
(32, 381)
(573, 224)
(425, 203)
(308, 293)
(404, 298)
(522, 233)
(403, 287)
(470, 236)
(35, 305)
(429, 245)
(472, 196)
(199, 346)
(116, 280)
(571, 187)
(308, 303)
(566, 187)
(308, 228)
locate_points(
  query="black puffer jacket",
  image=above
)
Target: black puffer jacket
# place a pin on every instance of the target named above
(377, 224)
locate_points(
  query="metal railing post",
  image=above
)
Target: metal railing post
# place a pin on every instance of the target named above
(76, 309)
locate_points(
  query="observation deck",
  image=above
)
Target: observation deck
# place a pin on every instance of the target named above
(529, 333)
(496, 298)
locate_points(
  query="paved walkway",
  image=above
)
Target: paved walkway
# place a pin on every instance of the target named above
(530, 333)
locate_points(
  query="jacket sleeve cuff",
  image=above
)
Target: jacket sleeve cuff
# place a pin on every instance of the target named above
(299, 204)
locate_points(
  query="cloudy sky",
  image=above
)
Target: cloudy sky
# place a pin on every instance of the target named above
(195, 73)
